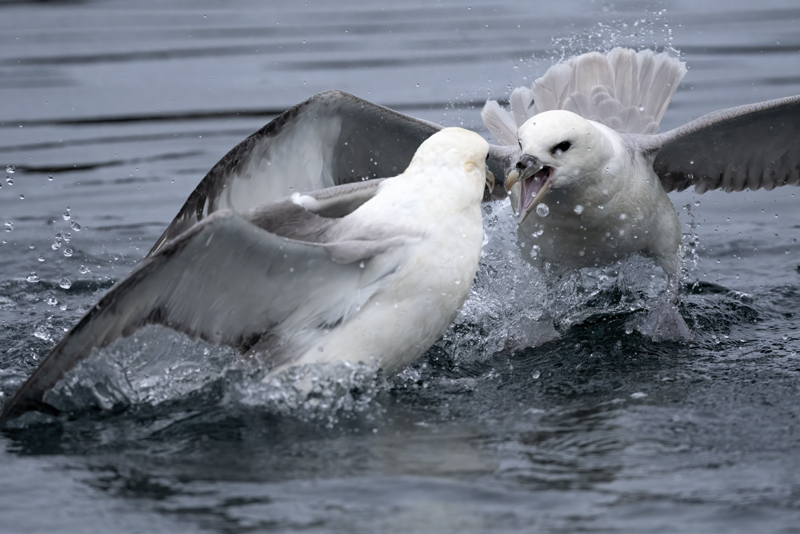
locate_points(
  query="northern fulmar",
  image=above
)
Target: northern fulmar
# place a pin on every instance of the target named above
(370, 272)
(590, 184)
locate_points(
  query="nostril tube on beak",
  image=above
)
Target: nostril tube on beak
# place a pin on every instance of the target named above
(526, 161)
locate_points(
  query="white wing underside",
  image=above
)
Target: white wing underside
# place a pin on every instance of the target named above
(331, 139)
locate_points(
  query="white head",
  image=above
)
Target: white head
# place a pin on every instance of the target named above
(456, 148)
(560, 151)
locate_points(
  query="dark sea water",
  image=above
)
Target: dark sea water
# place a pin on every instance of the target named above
(111, 112)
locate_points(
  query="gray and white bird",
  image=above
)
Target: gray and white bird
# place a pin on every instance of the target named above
(369, 272)
(590, 185)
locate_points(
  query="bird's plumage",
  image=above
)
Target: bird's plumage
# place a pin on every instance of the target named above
(625, 90)
(333, 138)
(592, 179)
(619, 98)
(371, 272)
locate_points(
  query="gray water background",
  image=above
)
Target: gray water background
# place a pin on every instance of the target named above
(127, 105)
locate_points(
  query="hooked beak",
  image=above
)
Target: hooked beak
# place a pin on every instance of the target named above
(489, 181)
(534, 178)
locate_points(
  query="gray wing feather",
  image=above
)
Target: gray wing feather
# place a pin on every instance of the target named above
(310, 216)
(625, 90)
(748, 147)
(228, 282)
(330, 139)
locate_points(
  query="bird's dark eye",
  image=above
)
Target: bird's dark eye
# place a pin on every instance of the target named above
(563, 146)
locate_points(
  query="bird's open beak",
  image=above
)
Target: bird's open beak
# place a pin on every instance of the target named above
(534, 178)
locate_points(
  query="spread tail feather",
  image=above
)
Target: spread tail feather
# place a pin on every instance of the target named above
(500, 123)
(625, 90)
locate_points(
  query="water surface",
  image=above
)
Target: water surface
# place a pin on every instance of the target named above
(113, 111)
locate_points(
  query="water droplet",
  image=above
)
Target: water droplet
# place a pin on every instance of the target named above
(578, 209)
(623, 216)
(51, 300)
(64, 283)
(75, 226)
(9, 226)
(361, 264)
(691, 162)
(638, 395)
(458, 282)
(696, 202)
(641, 108)
(68, 252)
(41, 333)
(22, 197)
(542, 210)
(84, 270)
(10, 169)
(33, 277)
(66, 215)
(50, 177)
(9, 180)
(41, 258)
(536, 374)
(785, 337)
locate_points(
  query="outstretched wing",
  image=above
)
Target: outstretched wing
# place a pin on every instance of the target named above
(330, 139)
(229, 282)
(747, 147)
(625, 90)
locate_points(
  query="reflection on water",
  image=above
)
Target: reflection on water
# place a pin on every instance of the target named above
(113, 113)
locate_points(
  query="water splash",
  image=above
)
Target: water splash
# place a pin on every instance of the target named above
(157, 365)
(486, 323)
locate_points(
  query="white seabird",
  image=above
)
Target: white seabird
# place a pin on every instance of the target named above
(590, 186)
(371, 272)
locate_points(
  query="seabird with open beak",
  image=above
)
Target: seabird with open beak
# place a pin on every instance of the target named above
(590, 184)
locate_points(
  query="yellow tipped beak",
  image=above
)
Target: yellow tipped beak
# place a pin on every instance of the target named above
(511, 179)
(489, 180)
